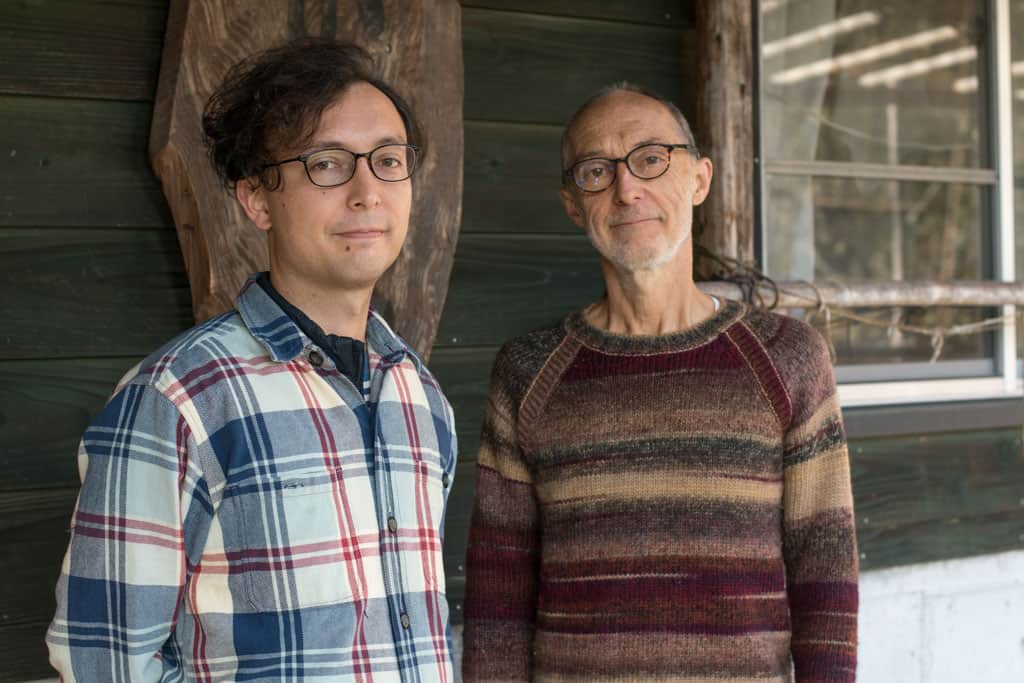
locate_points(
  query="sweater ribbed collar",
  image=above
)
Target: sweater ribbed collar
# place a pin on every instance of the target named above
(623, 344)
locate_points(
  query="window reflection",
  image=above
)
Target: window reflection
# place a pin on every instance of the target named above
(852, 88)
(865, 81)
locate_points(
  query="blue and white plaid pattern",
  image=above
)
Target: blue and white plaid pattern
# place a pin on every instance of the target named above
(234, 524)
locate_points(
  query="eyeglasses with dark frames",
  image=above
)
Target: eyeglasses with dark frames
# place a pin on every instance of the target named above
(336, 166)
(647, 162)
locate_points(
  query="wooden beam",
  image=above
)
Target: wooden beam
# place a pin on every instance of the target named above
(725, 128)
(877, 294)
(416, 47)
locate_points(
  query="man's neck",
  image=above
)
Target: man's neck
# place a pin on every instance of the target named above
(339, 311)
(650, 302)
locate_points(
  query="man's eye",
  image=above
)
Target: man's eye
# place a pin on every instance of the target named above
(652, 161)
(594, 172)
(324, 163)
(390, 162)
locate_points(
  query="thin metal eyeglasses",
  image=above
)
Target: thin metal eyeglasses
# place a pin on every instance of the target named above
(647, 162)
(336, 166)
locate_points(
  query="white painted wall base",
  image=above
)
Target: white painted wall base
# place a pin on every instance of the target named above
(957, 621)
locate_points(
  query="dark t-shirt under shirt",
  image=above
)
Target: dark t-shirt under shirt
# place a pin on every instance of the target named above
(347, 353)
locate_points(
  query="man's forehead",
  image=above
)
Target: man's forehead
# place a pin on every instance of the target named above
(622, 119)
(361, 113)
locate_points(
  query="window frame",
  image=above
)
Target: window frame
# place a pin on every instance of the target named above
(999, 179)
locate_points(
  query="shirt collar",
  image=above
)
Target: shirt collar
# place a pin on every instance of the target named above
(283, 339)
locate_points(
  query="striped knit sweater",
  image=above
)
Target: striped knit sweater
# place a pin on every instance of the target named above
(672, 508)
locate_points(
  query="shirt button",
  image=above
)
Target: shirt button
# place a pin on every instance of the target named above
(405, 620)
(445, 480)
(392, 524)
(316, 359)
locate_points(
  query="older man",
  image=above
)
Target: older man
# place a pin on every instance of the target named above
(663, 489)
(262, 498)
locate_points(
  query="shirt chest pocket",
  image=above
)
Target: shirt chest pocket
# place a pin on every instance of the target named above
(298, 545)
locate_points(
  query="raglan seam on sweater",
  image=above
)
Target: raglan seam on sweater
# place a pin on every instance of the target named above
(783, 422)
(778, 375)
(525, 416)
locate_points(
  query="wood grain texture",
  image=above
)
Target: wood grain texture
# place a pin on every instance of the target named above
(456, 521)
(939, 496)
(465, 374)
(84, 48)
(725, 128)
(416, 47)
(456, 525)
(35, 524)
(45, 406)
(71, 293)
(512, 179)
(505, 285)
(34, 536)
(531, 68)
(23, 653)
(674, 13)
(61, 164)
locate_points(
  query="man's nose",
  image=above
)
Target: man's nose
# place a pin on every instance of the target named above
(364, 189)
(627, 187)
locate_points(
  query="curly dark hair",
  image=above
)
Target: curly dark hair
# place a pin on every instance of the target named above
(273, 101)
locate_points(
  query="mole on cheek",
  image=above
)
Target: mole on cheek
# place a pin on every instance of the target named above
(348, 248)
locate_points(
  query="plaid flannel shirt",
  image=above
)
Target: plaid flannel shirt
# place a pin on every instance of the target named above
(236, 523)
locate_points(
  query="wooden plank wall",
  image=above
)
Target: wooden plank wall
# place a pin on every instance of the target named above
(90, 275)
(91, 278)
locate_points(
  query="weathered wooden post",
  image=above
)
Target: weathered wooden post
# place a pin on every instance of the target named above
(725, 128)
(416, 46)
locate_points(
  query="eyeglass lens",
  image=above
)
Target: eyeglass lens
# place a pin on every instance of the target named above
(331, 167)
(647, 162)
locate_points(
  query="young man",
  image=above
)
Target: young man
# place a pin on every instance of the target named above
(262, 498)
(663, 491)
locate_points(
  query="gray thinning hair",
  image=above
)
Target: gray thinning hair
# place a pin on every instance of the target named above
(624, 86)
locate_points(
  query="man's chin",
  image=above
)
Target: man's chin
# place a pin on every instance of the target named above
(356, 274)
(640, 259)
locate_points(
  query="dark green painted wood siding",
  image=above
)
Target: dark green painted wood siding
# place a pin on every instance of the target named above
(91, 278)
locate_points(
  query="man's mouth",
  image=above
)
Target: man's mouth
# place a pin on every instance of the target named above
(632, 221)
(361, 233)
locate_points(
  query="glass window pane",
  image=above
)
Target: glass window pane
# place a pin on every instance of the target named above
(856, 230)
(870, 353)
(848, 229)
(870, 81)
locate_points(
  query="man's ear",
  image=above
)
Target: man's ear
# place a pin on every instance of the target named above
(572, 209)
(253, 198)
(702, 176)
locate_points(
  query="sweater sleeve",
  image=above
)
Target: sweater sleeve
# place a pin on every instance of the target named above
(503, 551)
(819, 542)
